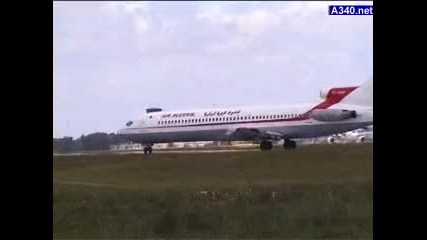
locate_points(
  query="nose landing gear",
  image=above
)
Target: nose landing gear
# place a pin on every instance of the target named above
(148, 149)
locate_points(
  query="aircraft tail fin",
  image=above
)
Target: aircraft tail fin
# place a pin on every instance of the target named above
(362, 95)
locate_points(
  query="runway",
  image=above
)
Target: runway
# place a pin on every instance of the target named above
(155, 152)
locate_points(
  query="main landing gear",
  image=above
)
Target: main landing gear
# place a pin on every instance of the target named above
(289, 144)
(267, 145)
(148, 149)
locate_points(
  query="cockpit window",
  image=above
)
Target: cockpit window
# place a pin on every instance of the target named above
(129, 123)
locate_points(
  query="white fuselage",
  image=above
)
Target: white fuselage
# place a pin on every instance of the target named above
(216, 124)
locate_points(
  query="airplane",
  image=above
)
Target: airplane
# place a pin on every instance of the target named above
(360, 135)
(342, 109)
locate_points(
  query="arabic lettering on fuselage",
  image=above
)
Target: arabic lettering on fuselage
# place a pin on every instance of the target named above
(220, 113)
(206, 114)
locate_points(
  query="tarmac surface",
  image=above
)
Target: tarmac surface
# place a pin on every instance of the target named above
(155, 152)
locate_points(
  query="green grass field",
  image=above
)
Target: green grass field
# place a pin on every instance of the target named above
(319, 191)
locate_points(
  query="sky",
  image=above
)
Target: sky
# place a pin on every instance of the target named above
(112, 60)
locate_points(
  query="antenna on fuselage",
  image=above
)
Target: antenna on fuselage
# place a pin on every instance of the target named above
(151, 110)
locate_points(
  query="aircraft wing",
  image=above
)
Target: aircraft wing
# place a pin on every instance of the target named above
(254, 134)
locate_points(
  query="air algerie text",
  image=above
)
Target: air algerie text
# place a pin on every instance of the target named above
(178, 115)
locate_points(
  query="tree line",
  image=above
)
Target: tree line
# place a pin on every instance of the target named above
(91, 142)
(98, 141)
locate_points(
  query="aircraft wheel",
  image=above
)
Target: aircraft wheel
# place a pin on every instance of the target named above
(148, 150)
(266, 145)
(289, 144)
